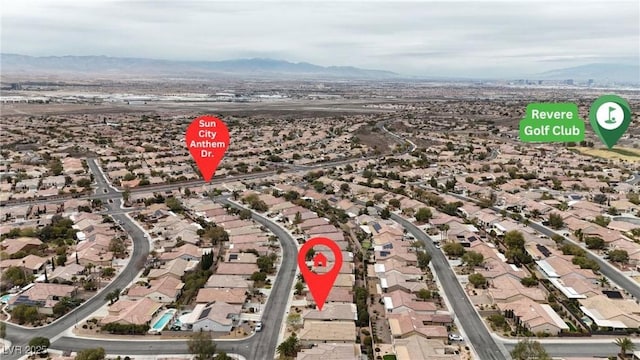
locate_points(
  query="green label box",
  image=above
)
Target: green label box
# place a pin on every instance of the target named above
(552, 122)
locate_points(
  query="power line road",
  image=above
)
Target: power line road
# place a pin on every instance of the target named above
(476, 332)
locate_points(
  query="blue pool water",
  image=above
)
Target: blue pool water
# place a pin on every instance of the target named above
(164, 319)
(5, 298)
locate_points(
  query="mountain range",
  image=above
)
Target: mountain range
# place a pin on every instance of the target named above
(16, 64)
(600, 72)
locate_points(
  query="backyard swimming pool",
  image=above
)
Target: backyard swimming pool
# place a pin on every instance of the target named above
(164, 319)
(4, 299)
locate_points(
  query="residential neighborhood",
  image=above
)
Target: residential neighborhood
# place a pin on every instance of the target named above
(374, 180)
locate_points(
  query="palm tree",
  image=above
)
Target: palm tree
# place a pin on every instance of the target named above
(535, 213)
(444, 228)
(603, 281)
(625, 345)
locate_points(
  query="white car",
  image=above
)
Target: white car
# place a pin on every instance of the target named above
(259, 326)
(455, 337)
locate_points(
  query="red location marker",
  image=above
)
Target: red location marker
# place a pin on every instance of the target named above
(207, 140)
(320, 284)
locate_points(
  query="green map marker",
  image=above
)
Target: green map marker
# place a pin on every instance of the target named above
(610, 116)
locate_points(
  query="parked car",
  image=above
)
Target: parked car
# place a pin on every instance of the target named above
(258, 326)
(455, 337)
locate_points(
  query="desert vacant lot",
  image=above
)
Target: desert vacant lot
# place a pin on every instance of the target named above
(615, 153)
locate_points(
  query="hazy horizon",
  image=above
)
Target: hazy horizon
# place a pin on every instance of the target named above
(436, 38)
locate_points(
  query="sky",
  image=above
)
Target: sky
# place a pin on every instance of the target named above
(433, 38)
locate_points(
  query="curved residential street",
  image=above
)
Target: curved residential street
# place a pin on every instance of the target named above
(259, 346)
(262, 345)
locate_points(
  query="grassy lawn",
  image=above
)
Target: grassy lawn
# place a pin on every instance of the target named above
(615, 153)
(571, 327)
(366, 245)
(389, 357)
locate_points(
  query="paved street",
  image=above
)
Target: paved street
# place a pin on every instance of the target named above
(474, 328)
(20, 336)
(262, 345)
(606, 268)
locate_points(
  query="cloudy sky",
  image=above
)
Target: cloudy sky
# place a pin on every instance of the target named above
(448, 38)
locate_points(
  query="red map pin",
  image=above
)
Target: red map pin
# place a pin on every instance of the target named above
(207, 140)
(320, 284)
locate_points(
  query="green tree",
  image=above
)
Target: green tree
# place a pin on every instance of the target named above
(91, 354)
(454, 250)
(40, 343)
(514, 239)
(112, 296)
(424, 294)
(424, 258)
(258, 276)
(55, 166)
(15, 276)
(126, 194)
(201, 346)
(558, 239)
(23, 314)
(619, 256)
(117, 247)
(433, 182)
(108, 272)
(602, 220)
(555, 221)
(585, 263)
(594, 242)
(572, 249)
(423, 215)
(294, 195)
(472, 258)
(626, 346)
(206, 260)
(451, 208)
(222, 356)
(527, 349)
(216, 234)
(600, 198)
(385, 213)
(173, 204)
(245, 214)
(529, 281)
(477, 280)
(394, 203)
(61, 259)
(299, 287)
(497, 320)
(84, 182)
(289, 347)
(266, 263)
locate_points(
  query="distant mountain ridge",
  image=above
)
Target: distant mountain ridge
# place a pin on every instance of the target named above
(599, 72)
(16, 64)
